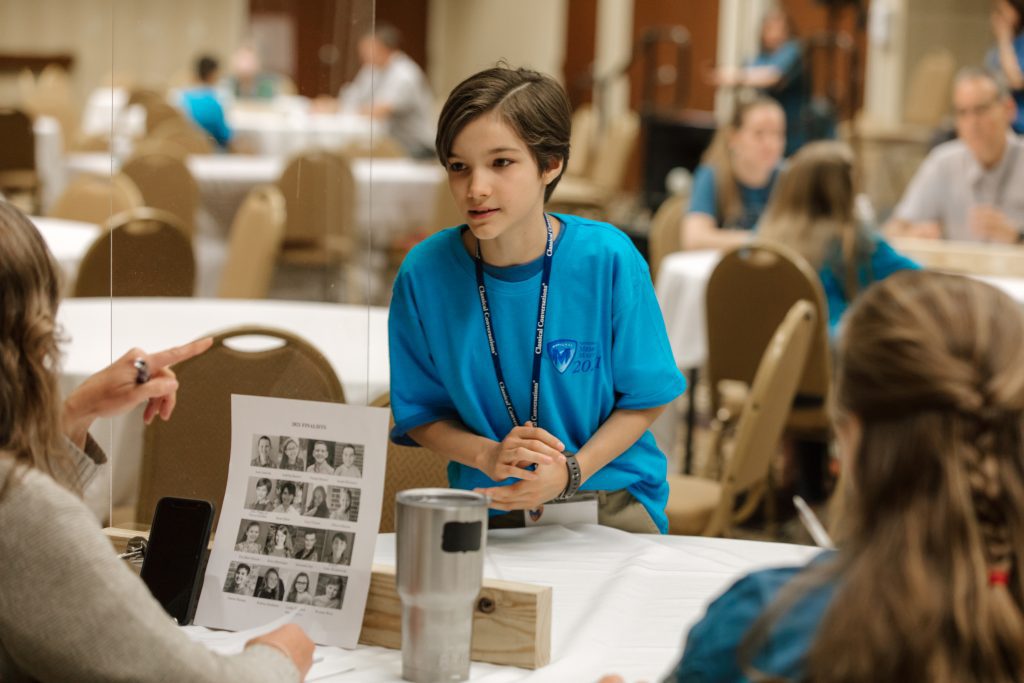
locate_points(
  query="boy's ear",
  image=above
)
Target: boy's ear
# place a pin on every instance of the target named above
(553, 169)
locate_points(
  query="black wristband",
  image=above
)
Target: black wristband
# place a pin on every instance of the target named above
(575, 477)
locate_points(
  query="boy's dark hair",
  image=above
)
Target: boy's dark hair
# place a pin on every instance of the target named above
(205, 67)
(534, 105)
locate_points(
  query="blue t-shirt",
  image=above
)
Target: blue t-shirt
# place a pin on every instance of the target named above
(1018, 95)
(712, 646)
(205, 109)
(703, 198)
(791, 91)
(605, 348)
(884, 262)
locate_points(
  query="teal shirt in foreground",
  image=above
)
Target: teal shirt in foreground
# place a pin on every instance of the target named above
(712, 646)
(884, 262)
(605, 348)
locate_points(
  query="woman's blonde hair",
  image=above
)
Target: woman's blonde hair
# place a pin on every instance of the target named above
(812, 211)
(728, 202)
(30, 430)
(928, 580)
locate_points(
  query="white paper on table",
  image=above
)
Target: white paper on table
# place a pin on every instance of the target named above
(318, 519)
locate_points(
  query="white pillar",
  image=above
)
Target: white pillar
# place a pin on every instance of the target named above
(612, 49)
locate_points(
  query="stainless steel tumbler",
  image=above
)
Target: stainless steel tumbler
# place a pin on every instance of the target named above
(440, 564)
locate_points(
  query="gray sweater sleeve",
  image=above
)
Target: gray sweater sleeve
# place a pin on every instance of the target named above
(70, 610)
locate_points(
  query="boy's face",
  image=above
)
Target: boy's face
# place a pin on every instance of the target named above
(495, 181)
(320, 452)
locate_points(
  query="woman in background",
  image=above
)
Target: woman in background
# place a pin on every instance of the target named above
(812, 212)
(927, 582)
(734, 181)
(46, 459)
(777, 71)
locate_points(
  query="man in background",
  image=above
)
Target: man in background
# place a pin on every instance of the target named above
(972, 188)
(391, 87)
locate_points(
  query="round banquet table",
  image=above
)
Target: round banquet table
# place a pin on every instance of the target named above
(353, 338)
(621, 603)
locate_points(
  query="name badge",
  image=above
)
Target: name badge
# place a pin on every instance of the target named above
(577, 511)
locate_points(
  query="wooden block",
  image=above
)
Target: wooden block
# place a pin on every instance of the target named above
(511, 622)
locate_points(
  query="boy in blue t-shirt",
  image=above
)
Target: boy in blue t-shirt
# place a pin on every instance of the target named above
(529, 348)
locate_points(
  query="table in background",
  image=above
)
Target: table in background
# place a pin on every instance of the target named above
(621, 603)
(354, 339)
(68, 241)
(392, 195)
(286, 127)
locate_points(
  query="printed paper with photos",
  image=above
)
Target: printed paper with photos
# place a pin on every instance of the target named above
(300, 517)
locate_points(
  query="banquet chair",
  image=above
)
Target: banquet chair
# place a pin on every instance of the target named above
(408, 467)
(18, 175)
(706, 507)
(665, 235)
(160, 146)
(53, 96)
(321, 238)
(144, 252)
(965, 258)
(184, 134)
(382, 147)
(158, 111)
(166, 184)
(189, 455)
(607, 173)
(256, 234)
(581, 140)
(748, 294)
(95, 199)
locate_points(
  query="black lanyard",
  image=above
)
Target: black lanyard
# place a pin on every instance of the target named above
(538, 348)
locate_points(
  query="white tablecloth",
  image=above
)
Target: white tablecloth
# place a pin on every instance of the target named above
(393, 195)
(286, 131)
(68, 241)
(682, 282)
(622, 603)
(353, 338)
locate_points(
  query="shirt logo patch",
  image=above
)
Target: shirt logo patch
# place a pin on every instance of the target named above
(561, 352)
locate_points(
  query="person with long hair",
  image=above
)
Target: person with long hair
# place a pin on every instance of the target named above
(813, 212)
(777, 71)
(279, 542)
(343, 510)
(249, 543)
(46, 460)
(318, 504)
(300, 590)
(291, 458)
(1007, 57)
(927, 582)
(270, 586)
(734, 181)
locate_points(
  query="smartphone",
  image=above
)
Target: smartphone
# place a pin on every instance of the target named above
(176, 556)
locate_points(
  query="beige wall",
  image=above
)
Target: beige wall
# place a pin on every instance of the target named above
(469, 35)
(148, 41)
(914, 27)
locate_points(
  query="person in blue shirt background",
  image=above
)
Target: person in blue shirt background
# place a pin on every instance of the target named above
(813, 212)
(734, 180)
(203, 106)
(1007, 58)
(575, 331)
(927, 583)
(778, 71)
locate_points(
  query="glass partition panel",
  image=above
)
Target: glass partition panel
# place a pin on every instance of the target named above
(249, 219)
